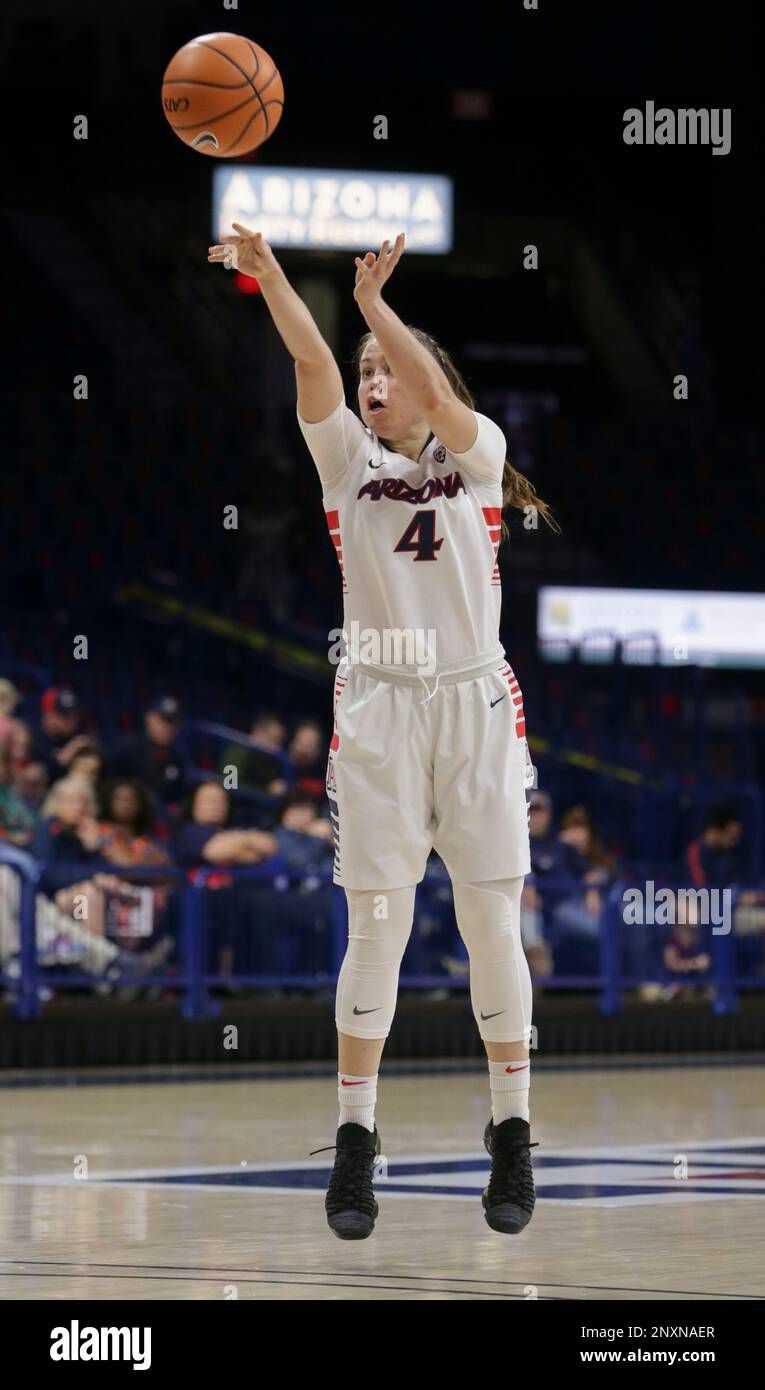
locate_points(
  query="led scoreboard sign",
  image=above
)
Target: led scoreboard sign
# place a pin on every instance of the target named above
(335, 209)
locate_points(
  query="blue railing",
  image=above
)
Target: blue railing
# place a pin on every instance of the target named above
(283, 928)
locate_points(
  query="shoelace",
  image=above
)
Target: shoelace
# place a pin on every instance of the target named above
(350, 1184)
(509, 1178)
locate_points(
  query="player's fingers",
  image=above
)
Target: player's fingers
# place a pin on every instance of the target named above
(245, 231)
(396, 250)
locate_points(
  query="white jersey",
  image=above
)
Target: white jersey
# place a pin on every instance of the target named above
(416, 541)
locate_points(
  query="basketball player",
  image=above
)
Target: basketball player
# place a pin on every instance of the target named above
(425, 753)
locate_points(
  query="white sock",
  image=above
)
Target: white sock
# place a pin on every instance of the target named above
(509, 1082)
(357, 1096)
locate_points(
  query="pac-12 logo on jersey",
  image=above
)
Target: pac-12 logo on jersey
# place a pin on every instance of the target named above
(439, 454)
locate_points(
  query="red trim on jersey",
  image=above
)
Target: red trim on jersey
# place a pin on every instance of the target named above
(493, 518)
(333, 523)
(516, 698)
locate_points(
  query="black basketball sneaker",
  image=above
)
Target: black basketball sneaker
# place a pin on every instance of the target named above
(509, 1199)
(350, 1202)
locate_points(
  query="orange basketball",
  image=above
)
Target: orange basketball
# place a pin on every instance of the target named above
(223, 95)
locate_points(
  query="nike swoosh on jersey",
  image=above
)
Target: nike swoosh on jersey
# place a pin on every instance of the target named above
(367, 1011)
(496, 1015)
(496, 702)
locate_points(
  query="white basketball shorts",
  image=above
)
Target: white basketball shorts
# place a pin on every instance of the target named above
(407, 774)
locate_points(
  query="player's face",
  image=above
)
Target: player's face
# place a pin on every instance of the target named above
(384, 407)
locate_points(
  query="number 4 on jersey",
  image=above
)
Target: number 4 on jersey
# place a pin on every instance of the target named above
(420, 536)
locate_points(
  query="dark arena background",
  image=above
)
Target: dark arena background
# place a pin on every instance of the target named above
(170, 607)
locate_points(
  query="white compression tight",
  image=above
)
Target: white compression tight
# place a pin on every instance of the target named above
(379, 926)
(489, 920)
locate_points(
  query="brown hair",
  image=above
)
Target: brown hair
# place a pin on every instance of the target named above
(597, 855)
(517, 491)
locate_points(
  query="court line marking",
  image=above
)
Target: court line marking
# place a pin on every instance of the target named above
(233, 1271)
(579, 1155)
(33, 1081)
(290, 1283)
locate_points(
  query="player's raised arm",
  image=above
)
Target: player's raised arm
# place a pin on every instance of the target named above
(414, 367)
(319, 383)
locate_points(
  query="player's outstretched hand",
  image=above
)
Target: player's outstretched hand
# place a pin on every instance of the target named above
(248, 252)
(373, 271)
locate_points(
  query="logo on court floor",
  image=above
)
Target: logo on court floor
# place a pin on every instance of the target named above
(629, 1175)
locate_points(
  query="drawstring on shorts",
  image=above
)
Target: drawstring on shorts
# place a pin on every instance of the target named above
(429, 697)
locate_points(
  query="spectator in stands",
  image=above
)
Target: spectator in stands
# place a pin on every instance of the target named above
(203, 836)
(579, 914)
(550, 853)
(684, 956)
(9, 698)
(19, 741)
(126, 822)
(715, 859)
(17, 819)
(69, 841)
(549, 857)
(308, 755)
(68, 833)
(304, 839)
(260, 769)
(59, 735)
(128, 814)
(87, 763)
(28, 779)
(31, 782)
(153, 757)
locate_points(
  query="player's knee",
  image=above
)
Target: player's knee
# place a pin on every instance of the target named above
(488, 914)
(380, 923)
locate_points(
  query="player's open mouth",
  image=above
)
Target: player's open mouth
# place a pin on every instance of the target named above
(376, 405)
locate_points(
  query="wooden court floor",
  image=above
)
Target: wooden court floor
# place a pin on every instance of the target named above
(650, 1181)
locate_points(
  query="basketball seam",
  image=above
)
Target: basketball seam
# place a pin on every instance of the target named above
(240, 69)
(274, 74)
(197, 82)
(233, 61)
(273, 102)
(219, 116)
